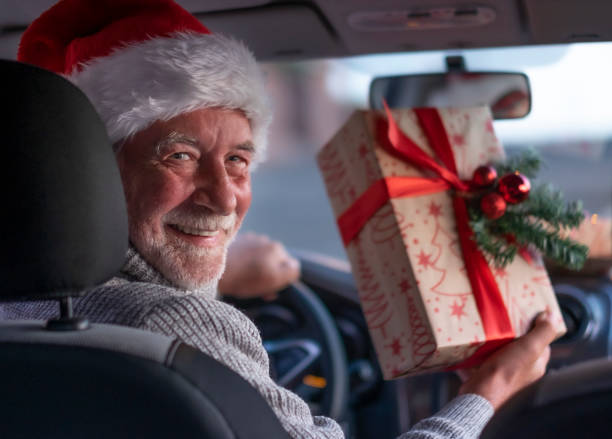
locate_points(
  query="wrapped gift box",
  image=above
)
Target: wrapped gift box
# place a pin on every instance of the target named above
(404, 247)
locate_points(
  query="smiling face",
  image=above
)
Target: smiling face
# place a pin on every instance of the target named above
(187, 186)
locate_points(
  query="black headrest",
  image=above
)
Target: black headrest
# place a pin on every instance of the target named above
(64, 224)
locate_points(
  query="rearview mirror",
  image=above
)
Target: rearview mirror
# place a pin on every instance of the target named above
(507, 94)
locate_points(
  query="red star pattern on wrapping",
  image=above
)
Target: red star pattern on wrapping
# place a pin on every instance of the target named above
(435, 210)
(458, 140)
(396, 346)
(500, 272)
(363, 151)
(396, 372)
(404, 286)
(489, 126)
(457, 309)
(425, 259)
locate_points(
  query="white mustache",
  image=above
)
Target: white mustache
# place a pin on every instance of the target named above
(206, 221)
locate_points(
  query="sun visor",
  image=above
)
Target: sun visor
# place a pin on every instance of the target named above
(568, 21)
(277, 32)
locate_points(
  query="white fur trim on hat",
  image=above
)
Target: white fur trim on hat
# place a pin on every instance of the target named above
(160, 78)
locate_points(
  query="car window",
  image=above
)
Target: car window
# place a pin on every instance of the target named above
(570, 124)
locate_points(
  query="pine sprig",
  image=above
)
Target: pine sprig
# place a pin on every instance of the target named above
(498, 249)
(528, 163)
(528, 231)
(547, 203)
(537, 222)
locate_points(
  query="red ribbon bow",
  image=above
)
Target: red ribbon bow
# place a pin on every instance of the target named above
(496, 322)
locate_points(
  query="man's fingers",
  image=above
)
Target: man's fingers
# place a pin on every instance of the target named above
(540, 336)
(258, 266)
(464, 374)
(293, 266)
(514, 366)
(289, 271)
(269, 297)
(544, 331)
(277, 248)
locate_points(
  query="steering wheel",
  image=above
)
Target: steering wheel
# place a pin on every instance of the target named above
(306, 351)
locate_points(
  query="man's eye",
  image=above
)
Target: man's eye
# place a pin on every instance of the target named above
(238, 160)
(180, 156)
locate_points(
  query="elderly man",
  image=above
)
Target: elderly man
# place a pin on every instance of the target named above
(188, 115)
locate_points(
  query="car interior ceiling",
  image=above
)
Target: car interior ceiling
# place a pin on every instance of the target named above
(578, 393)
(316, 29)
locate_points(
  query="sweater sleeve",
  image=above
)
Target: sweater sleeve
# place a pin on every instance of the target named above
(462, 418)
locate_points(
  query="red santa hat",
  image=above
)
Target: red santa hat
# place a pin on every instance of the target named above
(140, 61)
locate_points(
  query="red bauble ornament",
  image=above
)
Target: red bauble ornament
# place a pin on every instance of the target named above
(484, 176)
(514, 188)
(493, 205)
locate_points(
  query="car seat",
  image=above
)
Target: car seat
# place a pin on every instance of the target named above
(64, 231)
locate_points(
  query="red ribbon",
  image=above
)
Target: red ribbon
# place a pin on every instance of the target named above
(496, 322)
(359, 213)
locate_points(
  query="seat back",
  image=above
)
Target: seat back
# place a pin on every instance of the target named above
(68, 232)
(114, 382)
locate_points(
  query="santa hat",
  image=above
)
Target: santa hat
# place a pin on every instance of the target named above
(140, 61)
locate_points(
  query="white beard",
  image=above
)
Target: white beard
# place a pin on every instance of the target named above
(169, 262)
(185, 265)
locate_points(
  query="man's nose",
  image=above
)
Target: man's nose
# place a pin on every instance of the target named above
(214, 189)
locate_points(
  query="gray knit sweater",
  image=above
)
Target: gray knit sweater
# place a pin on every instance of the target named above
(142, 298)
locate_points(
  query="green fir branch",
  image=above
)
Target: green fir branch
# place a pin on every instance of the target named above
(526, 230)
(547, 203)
(538, 221)
(495, 248)
(527, 163)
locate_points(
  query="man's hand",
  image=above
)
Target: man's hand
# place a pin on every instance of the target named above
(513, 367)
(257, 267)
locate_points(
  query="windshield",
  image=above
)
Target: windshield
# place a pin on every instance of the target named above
(570, 124)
